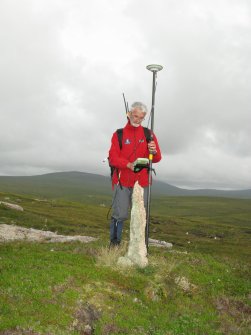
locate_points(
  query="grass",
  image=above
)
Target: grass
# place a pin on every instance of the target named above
(202, 287)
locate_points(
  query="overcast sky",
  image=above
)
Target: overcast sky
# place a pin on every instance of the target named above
(64, 65)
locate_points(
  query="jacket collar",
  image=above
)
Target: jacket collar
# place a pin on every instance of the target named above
(130, 127)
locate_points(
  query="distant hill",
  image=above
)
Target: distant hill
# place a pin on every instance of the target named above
(76, 185)
(67, 185)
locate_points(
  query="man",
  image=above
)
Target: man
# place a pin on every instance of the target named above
(134, 145)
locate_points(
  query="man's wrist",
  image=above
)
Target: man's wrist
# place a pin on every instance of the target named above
(153, 152)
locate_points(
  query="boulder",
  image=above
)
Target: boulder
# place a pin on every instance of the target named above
(12, 206)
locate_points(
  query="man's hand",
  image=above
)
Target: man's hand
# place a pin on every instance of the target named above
(130, 166)
(152, 147)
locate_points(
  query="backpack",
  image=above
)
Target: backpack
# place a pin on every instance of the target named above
(119, 132)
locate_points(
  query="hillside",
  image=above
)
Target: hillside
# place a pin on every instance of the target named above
(79, 185)
(200, 286)
(65, 185)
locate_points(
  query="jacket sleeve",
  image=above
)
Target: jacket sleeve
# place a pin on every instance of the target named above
(157, 156)
(115, 158)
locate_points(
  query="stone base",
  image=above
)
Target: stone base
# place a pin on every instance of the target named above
(127, 262)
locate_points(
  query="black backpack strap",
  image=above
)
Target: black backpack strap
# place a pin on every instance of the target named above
(120, 136)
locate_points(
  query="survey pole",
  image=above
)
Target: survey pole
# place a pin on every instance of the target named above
(154, 68)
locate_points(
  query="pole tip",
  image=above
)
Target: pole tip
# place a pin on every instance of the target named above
(154, 67)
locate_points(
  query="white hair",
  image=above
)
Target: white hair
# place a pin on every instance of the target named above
(140, 106)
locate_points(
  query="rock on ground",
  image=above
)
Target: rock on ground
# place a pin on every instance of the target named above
(13, 232)
(158, 243)
(12, 206)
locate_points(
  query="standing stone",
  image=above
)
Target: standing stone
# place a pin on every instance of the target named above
(137, 252)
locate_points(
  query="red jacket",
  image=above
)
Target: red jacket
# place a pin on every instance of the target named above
(134, 146)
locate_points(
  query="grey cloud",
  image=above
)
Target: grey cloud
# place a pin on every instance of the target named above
(64, 68)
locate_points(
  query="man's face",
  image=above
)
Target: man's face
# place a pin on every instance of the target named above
(136, 116)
